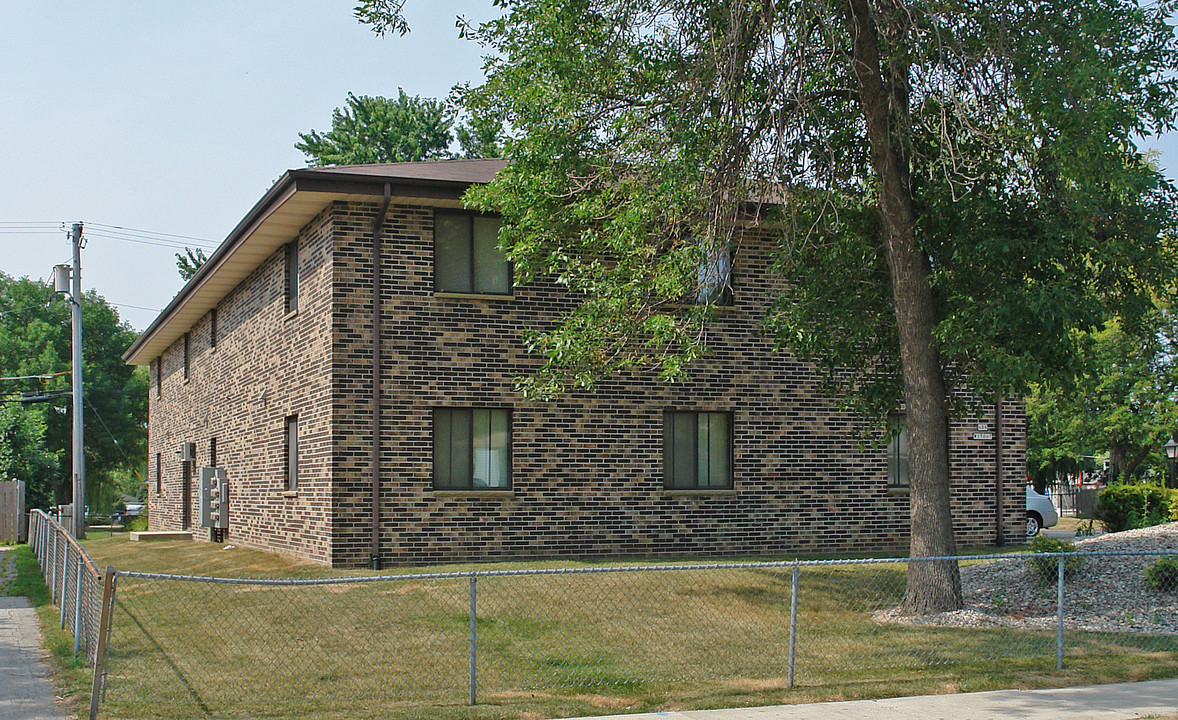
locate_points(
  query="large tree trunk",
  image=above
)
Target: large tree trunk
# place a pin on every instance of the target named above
(933, 586)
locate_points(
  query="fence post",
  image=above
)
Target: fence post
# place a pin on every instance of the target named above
(1059, 615)
(474, 643)
(65, 561)
(53, 572)
(793, 622)
(78, 608)
(108, 604)
(65, 585)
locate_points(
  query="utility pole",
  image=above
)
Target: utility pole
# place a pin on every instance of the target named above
(74, 289)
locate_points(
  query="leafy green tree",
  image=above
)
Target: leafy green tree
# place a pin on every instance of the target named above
(1120, 403)
(190, 262)
(958, 186)
(481, 137)
(23, 453)
(35, 340)
(381, 130)
(382, 15)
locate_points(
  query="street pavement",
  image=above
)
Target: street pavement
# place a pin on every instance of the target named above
(1152, 699)
(26, 692)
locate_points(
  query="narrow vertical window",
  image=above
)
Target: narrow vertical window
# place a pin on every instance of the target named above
(159, 376)
(472, 449)
(185, 356)
(292, 276)
(213, 328)
(697, 450)
(159, 465)
(897, 451)
(212, 452)
(291, 448)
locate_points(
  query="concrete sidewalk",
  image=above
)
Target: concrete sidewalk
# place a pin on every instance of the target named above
(26, 692)
(1156, 698)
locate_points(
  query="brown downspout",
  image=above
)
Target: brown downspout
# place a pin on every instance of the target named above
(377, 223)
(1001, 534)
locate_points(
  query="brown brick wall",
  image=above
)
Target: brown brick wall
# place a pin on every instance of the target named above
(267, 364)
(587, 469)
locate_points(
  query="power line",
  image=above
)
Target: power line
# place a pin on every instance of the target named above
(115, 440)
(170, 244)
(133, 307)
(42, 376)
(23, 309)
(147, 232)
(110, 232)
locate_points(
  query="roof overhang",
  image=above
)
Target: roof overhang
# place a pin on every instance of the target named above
(294, 200)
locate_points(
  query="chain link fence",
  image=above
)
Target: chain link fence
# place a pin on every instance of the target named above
(181, 646)
(74, 583)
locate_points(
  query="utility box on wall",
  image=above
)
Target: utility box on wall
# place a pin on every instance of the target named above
(214, 498)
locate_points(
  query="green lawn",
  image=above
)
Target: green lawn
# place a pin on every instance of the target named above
(548, 645)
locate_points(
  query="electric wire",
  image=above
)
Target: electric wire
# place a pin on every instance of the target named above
(113, 439)
(42, 376)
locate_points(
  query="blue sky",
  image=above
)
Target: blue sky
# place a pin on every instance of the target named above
(174, 118)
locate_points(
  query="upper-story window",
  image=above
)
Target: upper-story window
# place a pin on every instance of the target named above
(213, 328)
(714, 277)
(292, 276)
(467, 258)
(185, 356)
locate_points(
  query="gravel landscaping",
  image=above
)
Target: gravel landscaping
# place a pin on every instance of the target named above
(1106, 594)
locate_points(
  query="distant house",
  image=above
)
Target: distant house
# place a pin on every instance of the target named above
(417, 449)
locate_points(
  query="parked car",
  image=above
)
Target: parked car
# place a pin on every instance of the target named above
(1040, 513)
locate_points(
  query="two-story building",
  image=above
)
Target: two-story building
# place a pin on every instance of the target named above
(349, 354)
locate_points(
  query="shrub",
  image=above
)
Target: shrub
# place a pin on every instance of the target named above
(1125, 507)
(1163, 574)
(1047, 568)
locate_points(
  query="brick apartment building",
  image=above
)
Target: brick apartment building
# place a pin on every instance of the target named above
(265, 361)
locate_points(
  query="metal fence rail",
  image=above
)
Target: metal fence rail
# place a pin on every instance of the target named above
(178, 646)
(238, 648)
(75, 584)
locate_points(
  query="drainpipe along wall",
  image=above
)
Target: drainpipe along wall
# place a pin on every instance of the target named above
(1001, 534)
(377, 223)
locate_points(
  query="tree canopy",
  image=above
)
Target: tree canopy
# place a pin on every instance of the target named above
(374, 129)
(1119, 404)
(35, 345)
(956, 181)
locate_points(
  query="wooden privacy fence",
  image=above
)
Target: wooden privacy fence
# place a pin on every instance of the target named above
(13, 523)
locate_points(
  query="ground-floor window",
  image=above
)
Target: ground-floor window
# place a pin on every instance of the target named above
(897, 451)
(291, 447)
(472, 449)
(697, 450)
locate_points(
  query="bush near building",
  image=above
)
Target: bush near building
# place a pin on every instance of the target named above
(1128, 506)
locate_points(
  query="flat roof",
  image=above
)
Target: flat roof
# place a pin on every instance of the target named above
(293, 201)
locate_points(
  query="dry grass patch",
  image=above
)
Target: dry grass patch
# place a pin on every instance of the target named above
(548, 645)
